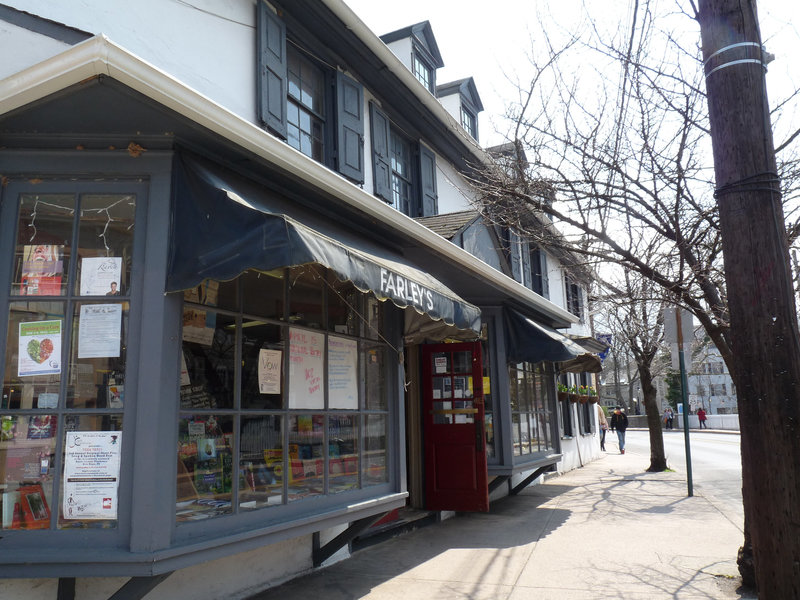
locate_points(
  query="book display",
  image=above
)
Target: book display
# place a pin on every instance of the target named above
(26, 460)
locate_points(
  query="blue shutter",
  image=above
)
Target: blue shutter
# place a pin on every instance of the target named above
(381, 160)
(350, 127)
(271, 80)
(516, 263)
(543, 271)
(427, 182)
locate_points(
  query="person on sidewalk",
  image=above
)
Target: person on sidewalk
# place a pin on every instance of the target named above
(669, 417)
(701, 416)
(619, 422)
(603, 424)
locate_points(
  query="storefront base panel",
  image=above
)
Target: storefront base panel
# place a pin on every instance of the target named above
(232, 577)
(579, 450)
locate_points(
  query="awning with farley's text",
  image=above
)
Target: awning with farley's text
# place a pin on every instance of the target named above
(223, 225)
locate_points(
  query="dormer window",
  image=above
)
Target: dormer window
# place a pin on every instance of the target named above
(416, 47)
(460, 98)
(423, 73)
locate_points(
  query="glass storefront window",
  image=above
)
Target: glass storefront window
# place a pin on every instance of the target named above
(530, 409)
(300, 396)
(261, 462)
(205, 466)
(65, 355)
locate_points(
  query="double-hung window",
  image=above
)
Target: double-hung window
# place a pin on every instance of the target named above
(305, 106)
(469, 122)
(423, 72)
(294, 104)
(404, 171)
(573, 298)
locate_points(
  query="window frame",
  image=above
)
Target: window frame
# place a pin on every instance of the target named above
(133, 185)
(285, 412)
(343, 132)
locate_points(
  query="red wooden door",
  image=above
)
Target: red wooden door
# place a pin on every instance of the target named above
(455, 447)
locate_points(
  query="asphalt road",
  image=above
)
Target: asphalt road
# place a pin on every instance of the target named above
(716, 465)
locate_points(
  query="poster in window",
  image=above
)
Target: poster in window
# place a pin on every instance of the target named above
(306, 369)
(100, 276)
(342, 373)
(39, 348)
(91, 474)
(42, 270)
(199, 326)
(99, 332)
(269, 371)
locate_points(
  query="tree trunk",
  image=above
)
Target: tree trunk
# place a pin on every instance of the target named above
(764, 336)
(658, 460)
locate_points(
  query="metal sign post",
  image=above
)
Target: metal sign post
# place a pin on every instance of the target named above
(674, 331)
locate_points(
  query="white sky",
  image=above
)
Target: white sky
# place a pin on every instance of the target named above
(490, 41)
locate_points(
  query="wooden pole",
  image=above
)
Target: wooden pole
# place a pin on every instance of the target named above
(766, 350)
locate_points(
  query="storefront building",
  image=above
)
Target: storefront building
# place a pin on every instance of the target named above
(227, 347)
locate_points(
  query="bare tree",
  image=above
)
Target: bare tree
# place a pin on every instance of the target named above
(632, 313)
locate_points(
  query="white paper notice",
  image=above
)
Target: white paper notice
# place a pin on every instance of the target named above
(100, 330)
(97, 275)
(342, 373)
(91, 474)
(39, 348)
(440, 364)
(269, 371)
(305, 369)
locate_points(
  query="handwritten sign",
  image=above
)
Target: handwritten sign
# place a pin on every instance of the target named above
(269, 371)
(342, 373)
(306, 369)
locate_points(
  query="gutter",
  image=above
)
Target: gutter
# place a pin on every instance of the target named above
(100, 56)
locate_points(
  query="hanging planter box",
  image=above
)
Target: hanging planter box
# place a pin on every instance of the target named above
(563, 396)
(583, 399)
(573, 398)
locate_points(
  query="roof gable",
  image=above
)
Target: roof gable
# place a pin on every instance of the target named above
(422, 33)
(466, 87)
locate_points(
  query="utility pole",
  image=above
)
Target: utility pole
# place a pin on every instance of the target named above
(763, 323)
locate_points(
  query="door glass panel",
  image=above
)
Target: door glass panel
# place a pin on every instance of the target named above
(462, 362)
(442, 388)
(44, 239)
(440, 363)
(440, 416)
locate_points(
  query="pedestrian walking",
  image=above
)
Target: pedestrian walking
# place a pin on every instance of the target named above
(603, 424)
(701, 416)
(619, 422)
(669, 418)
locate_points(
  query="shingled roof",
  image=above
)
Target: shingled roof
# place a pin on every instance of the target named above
(448, 225)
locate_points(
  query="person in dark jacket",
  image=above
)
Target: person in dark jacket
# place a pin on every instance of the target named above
(619, 423)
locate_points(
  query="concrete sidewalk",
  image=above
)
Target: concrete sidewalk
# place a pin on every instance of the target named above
(607, 530)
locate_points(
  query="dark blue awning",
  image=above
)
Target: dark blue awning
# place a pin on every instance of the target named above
(223, 224)
(529, 341)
